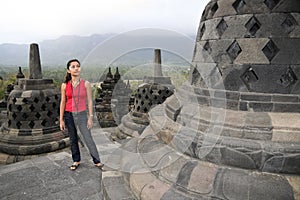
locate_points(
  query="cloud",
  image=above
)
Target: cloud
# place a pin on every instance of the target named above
(34, 20)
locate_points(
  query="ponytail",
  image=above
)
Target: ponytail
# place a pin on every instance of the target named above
(68, 75)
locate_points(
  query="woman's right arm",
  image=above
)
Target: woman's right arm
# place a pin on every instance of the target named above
(62, 106)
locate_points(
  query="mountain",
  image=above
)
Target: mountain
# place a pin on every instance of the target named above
(99, 49)
(52, 52)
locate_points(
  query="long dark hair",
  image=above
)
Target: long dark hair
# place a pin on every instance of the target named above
(68, 75)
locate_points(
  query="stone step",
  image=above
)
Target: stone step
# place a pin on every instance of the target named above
(172, 175)
(114, 186)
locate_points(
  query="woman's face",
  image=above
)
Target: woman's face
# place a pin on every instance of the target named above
(74, 68)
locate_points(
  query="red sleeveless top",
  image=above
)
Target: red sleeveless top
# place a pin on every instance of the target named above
(76, 97)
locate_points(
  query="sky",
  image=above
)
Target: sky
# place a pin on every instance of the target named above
(29, 21)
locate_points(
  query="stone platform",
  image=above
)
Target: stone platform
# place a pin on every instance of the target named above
(49, 177)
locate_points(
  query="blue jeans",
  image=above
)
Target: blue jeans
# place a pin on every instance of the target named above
(72, 120)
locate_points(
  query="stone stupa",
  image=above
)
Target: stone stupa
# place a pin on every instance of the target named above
(232, 131)
(32, 126)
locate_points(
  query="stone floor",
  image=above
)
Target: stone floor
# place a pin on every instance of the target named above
(49, 177)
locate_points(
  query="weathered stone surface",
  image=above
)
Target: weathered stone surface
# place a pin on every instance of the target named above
(239, 109)
(202, 179)
(236, 184)
(139, 180)
(35, 69)
(31, 127)
(154, 190)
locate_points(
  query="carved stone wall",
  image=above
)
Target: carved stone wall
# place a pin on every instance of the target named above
(253, 44)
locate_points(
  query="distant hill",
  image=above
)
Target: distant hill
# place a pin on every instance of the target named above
(98, 49)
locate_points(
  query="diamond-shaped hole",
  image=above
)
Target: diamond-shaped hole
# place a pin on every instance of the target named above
(44, 107)
(24, 100)
(31, 124)
(25, 115)
(270, 50)
(207, 47)
(47, 99)
(14, 116)
(19, 108)
(249, 76)
(289, 24)
(36, 100)
(195, 76)
(202, 30)
(214, 9)
(234, 50)
(271, 3)
(38, 115)
(31, 108)
(43, 123)
(289, 78)
(253, 25)
(221, 27)
(18, 124)
(238, 5)
(49, 113)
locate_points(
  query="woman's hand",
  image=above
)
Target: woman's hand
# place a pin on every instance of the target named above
(90, 122)
(62, 125)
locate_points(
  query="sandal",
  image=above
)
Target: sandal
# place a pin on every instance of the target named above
(99, 165)
(74, 166)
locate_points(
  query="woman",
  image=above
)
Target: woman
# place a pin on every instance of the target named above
(75, 93)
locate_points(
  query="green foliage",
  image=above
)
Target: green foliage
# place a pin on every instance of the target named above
(178, 75)
(4, 82)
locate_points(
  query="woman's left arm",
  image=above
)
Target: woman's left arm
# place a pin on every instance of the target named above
(90, 103)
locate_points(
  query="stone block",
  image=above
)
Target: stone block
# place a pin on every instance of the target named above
(234, 184)
(295, 183)
(287, 107)
(177, 195)
(202, 178)
(255, 97)
(139, 180)
(211, 32)
(235, 26)
(261, 107)
(285, 98)
(154, 190)
(286, 136)
(283, 164)
(287, 6)
(254, 6)
(225, 8)
(262, 120)
(289, 48)
(251, 51)
(170, 173)
(266, 28)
